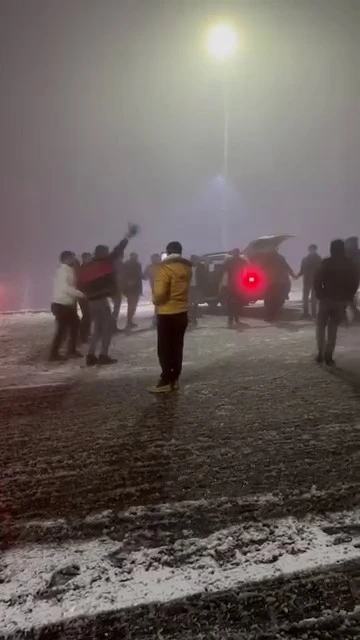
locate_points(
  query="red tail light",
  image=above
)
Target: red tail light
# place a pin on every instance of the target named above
(252, 281)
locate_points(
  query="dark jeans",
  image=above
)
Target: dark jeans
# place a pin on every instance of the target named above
(132, 302)
(67, 325)
(102, 326)
(330, 315)
(85, 322)
(309, 292)
(117, 299)
(170, 331)
(235, 306)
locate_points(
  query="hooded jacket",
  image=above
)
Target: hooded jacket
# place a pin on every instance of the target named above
(172, 285)
(97, 279)
(337, 279)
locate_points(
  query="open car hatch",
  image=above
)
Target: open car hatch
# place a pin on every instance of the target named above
(266, 243)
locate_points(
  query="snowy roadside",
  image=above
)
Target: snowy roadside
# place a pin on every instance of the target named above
(42, 585)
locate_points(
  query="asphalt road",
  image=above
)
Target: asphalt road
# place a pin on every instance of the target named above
(258, 434)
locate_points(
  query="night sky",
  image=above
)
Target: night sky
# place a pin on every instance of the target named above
(112, 111)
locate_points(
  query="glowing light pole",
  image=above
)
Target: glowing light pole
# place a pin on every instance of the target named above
(222, 44)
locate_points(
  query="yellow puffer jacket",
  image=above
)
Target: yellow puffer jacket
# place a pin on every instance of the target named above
(172, 284)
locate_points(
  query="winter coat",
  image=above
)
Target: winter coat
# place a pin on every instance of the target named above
(64, 289)
(233, 268)
(172, 285)
(337, 280)
(97, 279)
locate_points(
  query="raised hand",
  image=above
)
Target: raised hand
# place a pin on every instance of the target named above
(133, 230)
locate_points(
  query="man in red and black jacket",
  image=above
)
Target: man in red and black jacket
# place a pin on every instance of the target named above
(97, 280)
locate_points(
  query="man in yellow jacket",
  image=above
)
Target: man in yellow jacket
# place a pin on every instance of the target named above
(171, 299)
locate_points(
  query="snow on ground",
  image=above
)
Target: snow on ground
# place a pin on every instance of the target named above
(25, 340)
(254, 415)
(47, 584)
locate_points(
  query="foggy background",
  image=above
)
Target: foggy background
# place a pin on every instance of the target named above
(111, 110)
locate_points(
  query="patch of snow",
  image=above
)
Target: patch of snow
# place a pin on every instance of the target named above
(259, 551)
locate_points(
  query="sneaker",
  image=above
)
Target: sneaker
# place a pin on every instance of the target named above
(329, 360)
(56, 357)
(75, 355)
(175, 385)
(319, 358)
(105, 360)
(161, 388)
(91, 360)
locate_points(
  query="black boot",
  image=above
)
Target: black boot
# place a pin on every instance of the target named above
(106, 360)
(329, 360)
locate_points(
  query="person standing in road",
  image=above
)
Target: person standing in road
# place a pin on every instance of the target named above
(150, 274)
(335, 283)
(63, 307)
(231, 281)
(132, 287)
(97, 280)
(171, 299)
(309, 266)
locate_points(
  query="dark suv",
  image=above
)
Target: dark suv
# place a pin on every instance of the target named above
(265, 277)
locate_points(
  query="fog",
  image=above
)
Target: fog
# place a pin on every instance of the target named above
(113, 111)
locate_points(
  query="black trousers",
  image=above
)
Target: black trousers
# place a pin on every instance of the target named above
(67, 325)
(170, 331)
(309, 292)
(235, 306)
(85, 322)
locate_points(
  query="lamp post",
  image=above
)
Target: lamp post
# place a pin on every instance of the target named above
(222, 45)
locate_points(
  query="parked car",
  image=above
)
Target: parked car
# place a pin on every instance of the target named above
(261, 279)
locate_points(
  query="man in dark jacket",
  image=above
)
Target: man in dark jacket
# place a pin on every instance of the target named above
(233, 269)
(309, 266)
(132, 287)
(335, 284)
(98, 281)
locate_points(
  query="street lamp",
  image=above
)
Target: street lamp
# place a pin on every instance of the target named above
(222, 44)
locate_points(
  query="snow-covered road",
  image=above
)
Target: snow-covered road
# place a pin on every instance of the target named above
(115, 504)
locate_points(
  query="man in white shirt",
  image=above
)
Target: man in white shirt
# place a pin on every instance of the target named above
(63, 307)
